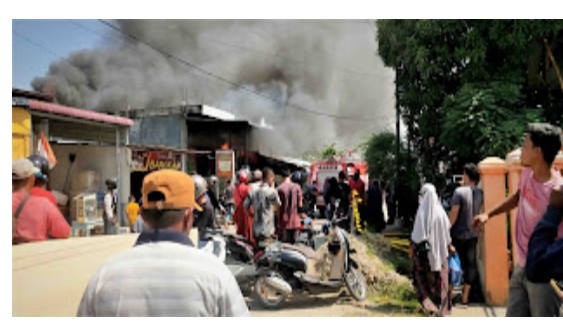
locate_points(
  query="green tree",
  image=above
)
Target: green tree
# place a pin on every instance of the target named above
(329, 152)
(380, 155)
(486, 120)
(442, 66)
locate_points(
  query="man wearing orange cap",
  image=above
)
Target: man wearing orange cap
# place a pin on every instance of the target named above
(164, 274)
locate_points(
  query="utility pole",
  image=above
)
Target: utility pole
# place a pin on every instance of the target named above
(397, 130)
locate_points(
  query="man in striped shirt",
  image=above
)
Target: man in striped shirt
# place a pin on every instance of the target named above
(164, 275)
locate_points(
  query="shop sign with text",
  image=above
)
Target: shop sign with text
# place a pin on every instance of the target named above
(155, 160)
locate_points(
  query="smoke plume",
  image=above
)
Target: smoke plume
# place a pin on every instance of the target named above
(328, 66)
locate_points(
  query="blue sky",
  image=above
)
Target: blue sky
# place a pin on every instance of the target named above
(37, 43)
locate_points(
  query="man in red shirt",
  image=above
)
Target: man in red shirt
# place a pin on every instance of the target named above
(291, 199)
(242, 221)
(37, 218)
(41, 177)
(356, 183)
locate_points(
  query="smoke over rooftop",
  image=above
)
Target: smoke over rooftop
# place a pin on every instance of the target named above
(326, 66)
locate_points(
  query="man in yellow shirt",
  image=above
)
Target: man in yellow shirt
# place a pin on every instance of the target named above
(132, 212)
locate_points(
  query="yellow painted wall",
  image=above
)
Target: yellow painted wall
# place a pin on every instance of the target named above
(21, 132)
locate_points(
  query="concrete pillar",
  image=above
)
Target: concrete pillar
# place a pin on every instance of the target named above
(493, 252)
(514, 168)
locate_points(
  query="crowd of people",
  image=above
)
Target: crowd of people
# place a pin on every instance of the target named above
(164, 274)
(538, 233)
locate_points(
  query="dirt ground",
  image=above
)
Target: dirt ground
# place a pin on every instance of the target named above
(325, 305)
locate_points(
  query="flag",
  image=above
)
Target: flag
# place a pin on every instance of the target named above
(44, 149)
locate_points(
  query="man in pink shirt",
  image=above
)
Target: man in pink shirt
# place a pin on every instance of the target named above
(36, 219)
(538, 178)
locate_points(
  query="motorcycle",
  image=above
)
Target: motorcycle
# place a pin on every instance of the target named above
(238, 256)
(285, 269)
(309, 236)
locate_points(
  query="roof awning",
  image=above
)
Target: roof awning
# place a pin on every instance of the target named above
(52, 108)
(170, 149)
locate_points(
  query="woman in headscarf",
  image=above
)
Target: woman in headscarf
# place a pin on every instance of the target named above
(429, 250)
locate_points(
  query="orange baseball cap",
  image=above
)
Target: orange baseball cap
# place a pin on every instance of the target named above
(169, 189)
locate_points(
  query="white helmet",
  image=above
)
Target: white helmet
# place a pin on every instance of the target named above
(200, 186)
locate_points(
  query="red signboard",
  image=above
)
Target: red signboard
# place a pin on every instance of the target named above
(155, 160)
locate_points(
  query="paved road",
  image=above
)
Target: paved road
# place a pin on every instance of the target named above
(48, 279)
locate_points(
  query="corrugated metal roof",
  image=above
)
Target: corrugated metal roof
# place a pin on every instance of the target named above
(48, 107)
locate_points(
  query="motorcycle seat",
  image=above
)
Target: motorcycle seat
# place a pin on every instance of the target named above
(306, 251)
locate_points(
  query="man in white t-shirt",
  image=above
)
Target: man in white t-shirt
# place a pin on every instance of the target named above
(164, 274)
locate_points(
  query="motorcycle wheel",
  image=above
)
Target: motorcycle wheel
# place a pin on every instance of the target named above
(356, 284)
(266, 295)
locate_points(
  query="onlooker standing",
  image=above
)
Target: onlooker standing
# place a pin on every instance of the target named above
(345, 196)
(291, 199)
(212, 195)
(375, 206)
(242, 221)
(330, 193)
(429, 250)
(229, 200)
(132, 211)
(164, 275)
(41, 178)
(204, 220)
(33, 218)
(467, 202)
(264, 201)
(541, 145)
(110, 208)
(358, 185)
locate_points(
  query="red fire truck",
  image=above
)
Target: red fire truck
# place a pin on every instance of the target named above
(321, 170)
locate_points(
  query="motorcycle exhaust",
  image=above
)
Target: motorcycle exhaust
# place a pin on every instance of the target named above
(278, 284)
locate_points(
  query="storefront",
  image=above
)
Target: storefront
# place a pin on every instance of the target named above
(145, 159)
(90, 147)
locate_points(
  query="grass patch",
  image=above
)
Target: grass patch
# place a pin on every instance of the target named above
(388, 274)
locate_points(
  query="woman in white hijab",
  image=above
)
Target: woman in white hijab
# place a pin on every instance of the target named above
(430, 249)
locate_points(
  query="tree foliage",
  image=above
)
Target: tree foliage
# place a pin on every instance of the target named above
(380, 155)
(486, 120)
(466, 88)
(329, 152)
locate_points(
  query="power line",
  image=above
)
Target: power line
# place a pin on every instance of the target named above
(228, 81)
(209, 40)
(44, 48)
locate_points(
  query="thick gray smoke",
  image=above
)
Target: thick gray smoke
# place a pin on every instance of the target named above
(329, 66)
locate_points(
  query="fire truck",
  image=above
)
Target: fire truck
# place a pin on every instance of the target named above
(321, 170)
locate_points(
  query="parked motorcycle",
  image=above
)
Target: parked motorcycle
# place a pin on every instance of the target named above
(238, 257)
(284, 269)
(309, 235)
